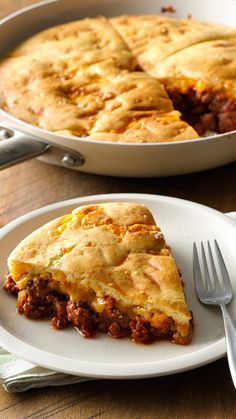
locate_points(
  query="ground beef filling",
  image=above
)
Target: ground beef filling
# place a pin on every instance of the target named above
(205, 111)
(38, 301)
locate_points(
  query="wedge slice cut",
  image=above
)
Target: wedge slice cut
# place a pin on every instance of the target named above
(105, 267)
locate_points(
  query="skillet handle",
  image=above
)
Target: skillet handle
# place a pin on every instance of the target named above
(13, 151)
(16, 147)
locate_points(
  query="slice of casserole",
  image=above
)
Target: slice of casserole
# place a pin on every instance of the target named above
(105, 267)
(81, 79)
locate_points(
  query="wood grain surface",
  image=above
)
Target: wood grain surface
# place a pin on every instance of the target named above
(206, 392)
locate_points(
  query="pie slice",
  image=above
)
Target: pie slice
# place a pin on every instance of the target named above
(81, 79)
(105, 267)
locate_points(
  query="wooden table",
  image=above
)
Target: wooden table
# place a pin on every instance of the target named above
(204, 392)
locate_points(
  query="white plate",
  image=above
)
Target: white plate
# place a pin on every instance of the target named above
(104, 357)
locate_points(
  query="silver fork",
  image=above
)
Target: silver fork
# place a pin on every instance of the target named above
(215, 288)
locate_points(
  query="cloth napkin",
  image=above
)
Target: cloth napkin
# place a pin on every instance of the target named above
(17, 375)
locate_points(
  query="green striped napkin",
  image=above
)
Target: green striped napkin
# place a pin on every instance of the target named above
(17, 375)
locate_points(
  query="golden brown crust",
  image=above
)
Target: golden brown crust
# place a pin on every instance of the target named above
(210, 64)
(81, 78)
(115, 249)
(183, 53)
(143, 128)
(154, 38)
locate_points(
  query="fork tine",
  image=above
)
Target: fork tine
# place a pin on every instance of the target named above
(216, 281)
(223, 268)
(205, 267)
(197, 270)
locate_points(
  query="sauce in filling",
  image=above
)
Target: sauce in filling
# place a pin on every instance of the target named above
(37, 301)
(205, 110)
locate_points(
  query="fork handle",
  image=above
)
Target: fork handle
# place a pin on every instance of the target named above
(230, 335)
